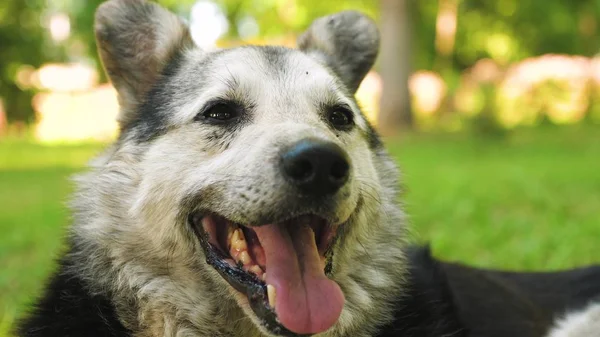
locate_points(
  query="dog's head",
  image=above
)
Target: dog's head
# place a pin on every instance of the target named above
(247, 178)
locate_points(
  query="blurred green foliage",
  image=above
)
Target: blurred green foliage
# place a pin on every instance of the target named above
(22, 41)
(506, 31)
(510, 30)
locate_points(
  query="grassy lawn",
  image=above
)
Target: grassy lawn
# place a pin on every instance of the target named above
(528, 202)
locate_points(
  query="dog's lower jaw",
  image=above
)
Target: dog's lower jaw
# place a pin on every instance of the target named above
(188, 308)
(368, 289)
(157, 316)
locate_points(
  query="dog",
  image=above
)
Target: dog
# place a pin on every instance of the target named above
(247, 195)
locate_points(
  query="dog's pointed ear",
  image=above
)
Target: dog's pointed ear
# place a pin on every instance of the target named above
(136, 40)
(346, 42)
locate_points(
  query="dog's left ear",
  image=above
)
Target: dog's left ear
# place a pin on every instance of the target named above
(136, 40)
(346, 42)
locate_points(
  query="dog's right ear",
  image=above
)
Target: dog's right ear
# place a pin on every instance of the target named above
(347, 42)
(136, 40)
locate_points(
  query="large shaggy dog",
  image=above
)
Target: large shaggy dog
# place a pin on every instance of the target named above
(248, 196)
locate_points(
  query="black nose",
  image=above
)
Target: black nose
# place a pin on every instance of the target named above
(316, 167)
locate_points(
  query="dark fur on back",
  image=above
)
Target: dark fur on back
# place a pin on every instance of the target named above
(69, 309)
(448, 299)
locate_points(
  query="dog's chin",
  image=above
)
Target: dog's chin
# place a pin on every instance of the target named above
(282, 269)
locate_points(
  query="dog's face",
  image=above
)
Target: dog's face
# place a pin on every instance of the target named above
(251, 170)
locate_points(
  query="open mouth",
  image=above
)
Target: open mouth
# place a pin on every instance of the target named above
(281, 268)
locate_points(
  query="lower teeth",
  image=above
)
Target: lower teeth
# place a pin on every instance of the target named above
(271, 294)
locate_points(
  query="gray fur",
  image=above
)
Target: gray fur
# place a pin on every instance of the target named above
(131, 206)
(347, 42)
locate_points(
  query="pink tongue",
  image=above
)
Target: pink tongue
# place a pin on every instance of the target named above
(307, 302)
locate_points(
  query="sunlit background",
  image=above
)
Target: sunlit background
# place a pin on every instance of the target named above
(511, 63)
(491, 106)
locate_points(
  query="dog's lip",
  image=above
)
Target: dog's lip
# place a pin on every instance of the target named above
(247, 283)
(325, 235)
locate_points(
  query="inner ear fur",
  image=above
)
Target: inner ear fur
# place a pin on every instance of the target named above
(136, 39)
(347, 42)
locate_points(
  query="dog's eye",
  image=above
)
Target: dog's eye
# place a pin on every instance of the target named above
(219, 113)
(341, 118)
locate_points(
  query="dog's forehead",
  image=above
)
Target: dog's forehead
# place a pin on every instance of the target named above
(273, 71)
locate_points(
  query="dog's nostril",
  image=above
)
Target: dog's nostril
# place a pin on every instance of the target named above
(300, 170)
(339, 170)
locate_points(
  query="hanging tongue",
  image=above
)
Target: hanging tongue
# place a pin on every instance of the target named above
(307, 302)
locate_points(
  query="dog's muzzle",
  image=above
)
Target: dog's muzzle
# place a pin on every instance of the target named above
(282, 265)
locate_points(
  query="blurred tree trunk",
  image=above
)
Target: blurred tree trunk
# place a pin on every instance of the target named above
(395, 67)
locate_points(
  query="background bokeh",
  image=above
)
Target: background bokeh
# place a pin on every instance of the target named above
(492, 109)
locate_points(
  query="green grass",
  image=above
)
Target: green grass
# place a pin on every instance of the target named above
(527, 202)
(34, 185)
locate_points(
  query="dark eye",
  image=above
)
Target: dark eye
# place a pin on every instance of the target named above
(341, 118)
(219, 113)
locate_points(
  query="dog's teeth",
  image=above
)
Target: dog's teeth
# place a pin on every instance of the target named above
(230, 231)
(271, 294)
(255, 269)
(238, 242)
(235, 236)
(245, 257)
